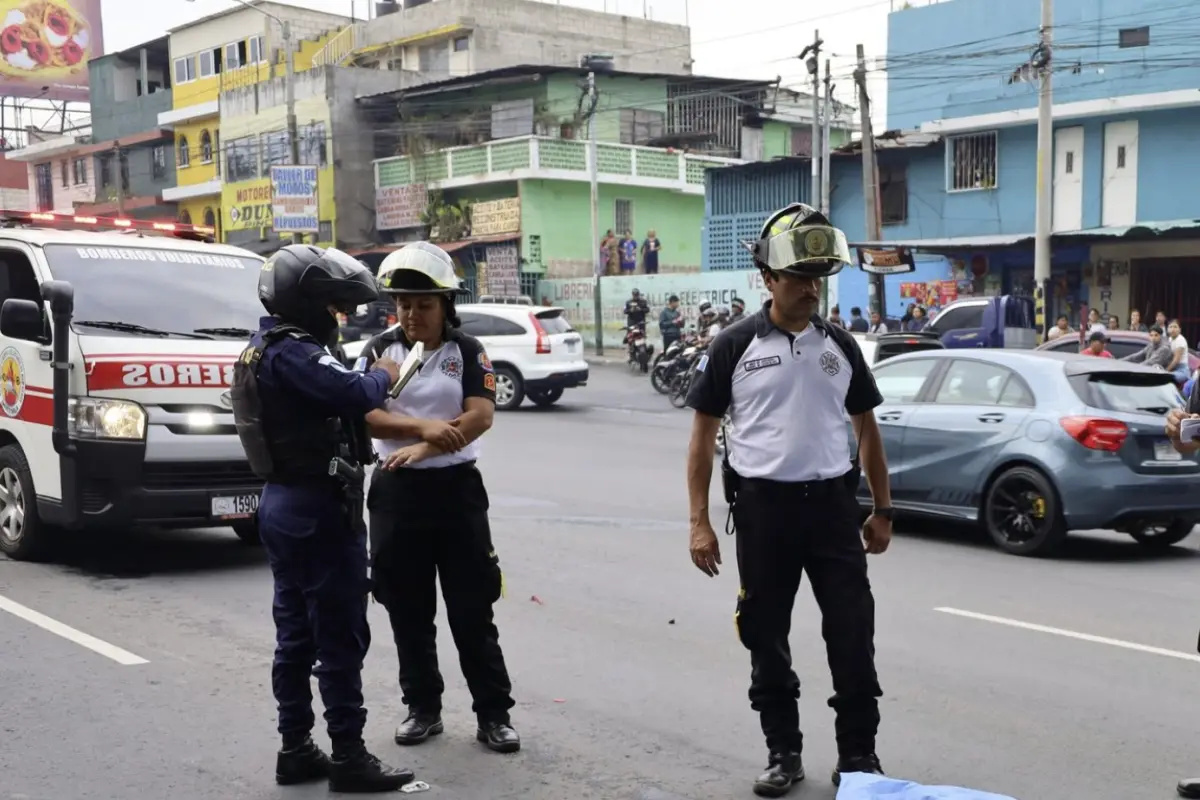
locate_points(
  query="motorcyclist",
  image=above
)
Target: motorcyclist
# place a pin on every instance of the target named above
(298, 412)
(636, 309)
(724, 318)
(739, 310)
(706, 323)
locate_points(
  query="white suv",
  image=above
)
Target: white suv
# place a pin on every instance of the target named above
(534, 349)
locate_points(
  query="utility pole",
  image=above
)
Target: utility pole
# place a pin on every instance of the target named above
(826, 151)
(1045, 150)
(120, 178)
(877, 300)
(812, 53)
(594, 179)
(826, 158)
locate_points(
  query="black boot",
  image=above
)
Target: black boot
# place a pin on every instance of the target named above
(868, 763)
(359, 772)
(498, 736)
(783, 771)
(301, 764)
(417, 727)
(1189, 787)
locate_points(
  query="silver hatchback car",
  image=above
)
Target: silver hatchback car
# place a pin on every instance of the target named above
(1031, 445)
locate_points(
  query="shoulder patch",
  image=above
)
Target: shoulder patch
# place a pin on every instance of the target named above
(702, 363)
(489, 382)
(332, 361)
(484, 361)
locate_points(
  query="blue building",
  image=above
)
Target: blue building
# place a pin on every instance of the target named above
(1126, 216)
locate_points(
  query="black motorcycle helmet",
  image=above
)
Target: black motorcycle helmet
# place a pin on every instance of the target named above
(301, 282)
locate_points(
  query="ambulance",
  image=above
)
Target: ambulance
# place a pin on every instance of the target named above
(117, 344)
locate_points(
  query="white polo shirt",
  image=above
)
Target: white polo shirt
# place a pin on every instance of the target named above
(459, 369)
(787, 395)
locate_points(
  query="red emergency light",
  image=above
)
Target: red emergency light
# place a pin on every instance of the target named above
(46, 219)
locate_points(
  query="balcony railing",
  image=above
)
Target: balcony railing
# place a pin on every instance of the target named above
(339, 48)
(539, 157)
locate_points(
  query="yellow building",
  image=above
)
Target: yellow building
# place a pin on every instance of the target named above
(240, 47)
(254, 129)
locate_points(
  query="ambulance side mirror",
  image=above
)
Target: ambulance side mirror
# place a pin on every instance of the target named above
(23, 319)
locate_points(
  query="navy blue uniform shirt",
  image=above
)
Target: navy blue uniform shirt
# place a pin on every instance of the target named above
(317, 383)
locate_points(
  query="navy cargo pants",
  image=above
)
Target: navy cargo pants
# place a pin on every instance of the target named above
(785, 530)
(320, 566)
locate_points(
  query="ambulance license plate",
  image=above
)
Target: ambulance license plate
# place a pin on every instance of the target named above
(240, 506)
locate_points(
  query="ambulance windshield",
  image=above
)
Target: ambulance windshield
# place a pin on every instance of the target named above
(141, 291)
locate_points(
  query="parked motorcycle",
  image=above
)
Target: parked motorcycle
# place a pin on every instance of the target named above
(669, 362)
(640, 350)
(681, 381)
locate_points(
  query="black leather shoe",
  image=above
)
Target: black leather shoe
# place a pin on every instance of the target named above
(302, 764)
(1189, 787)
(868, 763)
(363, 773)
(498, 736)
(418, 727)
(783, 771)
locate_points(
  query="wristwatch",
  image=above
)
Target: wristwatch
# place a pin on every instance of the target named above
(886, 512)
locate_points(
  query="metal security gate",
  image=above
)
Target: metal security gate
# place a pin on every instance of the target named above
(1170, 285)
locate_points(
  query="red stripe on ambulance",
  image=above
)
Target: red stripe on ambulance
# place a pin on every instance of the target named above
(169, 373)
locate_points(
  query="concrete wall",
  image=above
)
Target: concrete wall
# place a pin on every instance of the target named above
(954, 59)
(117, 109)
(511, 32)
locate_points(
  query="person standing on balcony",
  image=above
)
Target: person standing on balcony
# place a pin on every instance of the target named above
(650, 250)
(608, 254)
(627, 248)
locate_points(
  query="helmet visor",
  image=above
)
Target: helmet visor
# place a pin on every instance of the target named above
(342, 265)
(816, 250)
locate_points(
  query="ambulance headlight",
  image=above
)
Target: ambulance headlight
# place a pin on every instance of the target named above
(101, 418)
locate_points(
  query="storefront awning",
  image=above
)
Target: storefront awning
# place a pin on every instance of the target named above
(449, 247)
(1171, 229)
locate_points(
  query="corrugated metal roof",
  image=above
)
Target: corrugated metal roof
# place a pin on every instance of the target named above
(892, 140)
(535, 70)
(1140, 231)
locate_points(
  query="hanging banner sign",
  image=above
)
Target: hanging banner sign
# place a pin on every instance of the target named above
(886, 260)
(295, 207)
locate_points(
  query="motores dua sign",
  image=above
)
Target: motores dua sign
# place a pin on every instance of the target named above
(294, 204)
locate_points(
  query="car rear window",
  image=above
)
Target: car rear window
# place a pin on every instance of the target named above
(554, 322)
(1130, 392)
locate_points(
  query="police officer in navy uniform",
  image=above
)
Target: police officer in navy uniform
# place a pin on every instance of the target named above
(788, 380)
(1188, 787)
(298, 412)
(428, 505)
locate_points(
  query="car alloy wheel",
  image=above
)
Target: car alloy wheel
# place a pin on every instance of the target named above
(12, 507)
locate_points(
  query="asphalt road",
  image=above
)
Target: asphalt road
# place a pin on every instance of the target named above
(629, 680)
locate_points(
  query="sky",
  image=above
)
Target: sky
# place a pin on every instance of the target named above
(761, 41)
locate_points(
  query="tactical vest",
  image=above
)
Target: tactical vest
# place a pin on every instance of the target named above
(279, 453)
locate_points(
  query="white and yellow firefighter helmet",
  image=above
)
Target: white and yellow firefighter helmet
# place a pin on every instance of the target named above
(418, 268)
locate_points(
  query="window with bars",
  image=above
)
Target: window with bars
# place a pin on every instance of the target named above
(312, 145)
(639, 125)
(276, 150)
(622, 216)
(972, 162)
(241, 159)
(81, 171)
(893, 194)
(1134, 37)
(158, 162)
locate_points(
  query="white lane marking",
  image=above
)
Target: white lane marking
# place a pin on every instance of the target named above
(99, 646)
(1083, 637)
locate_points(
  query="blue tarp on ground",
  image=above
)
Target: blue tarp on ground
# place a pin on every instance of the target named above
(862, 786)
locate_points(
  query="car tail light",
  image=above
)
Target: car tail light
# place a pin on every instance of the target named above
(543, 339)
(1096, 433)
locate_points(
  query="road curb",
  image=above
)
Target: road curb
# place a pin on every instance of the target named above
(592, 358)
